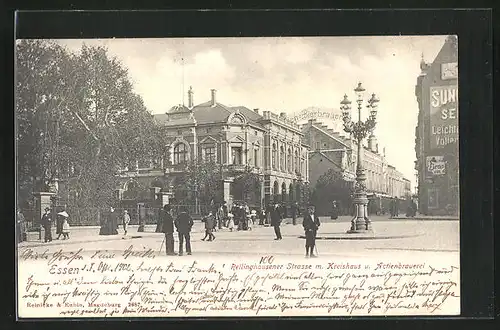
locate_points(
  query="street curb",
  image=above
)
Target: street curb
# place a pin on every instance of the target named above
(362, 237)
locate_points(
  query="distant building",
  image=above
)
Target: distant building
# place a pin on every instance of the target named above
(436, 135)
(330, 150)
(237, 139)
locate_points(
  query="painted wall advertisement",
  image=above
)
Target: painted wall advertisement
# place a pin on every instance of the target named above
(443, 116)
(435, 166)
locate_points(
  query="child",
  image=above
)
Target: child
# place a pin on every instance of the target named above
(65, 229)
(230, 223)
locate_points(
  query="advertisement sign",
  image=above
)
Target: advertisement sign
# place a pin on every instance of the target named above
(443, 116)
(435, 166)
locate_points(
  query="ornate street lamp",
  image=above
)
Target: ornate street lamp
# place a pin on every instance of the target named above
(359, 130)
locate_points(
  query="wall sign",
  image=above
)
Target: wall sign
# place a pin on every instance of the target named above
(443, 116)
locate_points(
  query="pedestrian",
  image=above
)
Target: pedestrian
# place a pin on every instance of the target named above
(252, 219)
(335, 211)
(392, 205)
(184, 223)
(125, 221)
(223, 215)
(311, 224)
(21, 226)
(47, 225)
(65, 228)
(168, 229)
(294, 213)
(230, 222)
(269, 210)
(112, 222)
(59, 225)
(209, 221)
(276, 221)
(262, 217)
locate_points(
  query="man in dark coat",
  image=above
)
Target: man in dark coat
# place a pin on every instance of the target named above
(184, 223)
(47, 225)
(311, 224)
(276, 221)
(168, 228)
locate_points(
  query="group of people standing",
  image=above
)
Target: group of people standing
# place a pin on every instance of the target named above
(111, 220)
(183, 223)
(62, 225)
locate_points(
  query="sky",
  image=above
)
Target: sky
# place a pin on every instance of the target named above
(284, 75)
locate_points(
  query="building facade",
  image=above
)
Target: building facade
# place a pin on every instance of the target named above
(436, 135)
(237, 140)
(330, 150)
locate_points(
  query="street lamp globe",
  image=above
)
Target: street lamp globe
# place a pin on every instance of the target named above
(359, 90)
(345, 106)
(373, 104)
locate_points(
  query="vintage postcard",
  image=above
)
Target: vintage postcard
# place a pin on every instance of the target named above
(240, 177)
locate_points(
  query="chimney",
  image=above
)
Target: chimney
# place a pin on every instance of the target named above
(256, 110)
(214, 101)
(190, 97)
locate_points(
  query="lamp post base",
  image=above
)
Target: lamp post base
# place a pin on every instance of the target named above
(361, 223)
(360, 226)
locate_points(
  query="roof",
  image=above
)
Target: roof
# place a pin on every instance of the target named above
(178, 109)
(317, 152)
(205, 113)
(342, 140)
(163, 119)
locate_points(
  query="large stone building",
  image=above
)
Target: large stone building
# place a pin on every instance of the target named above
(237, 139)
(436, 135)
(330, 150)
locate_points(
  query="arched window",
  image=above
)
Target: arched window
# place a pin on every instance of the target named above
(289, 162)
(180, 153)
(273, 159)
(282, 158)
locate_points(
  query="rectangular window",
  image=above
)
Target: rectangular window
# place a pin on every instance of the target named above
(255, 157)
(210, 154)
(318, 145)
